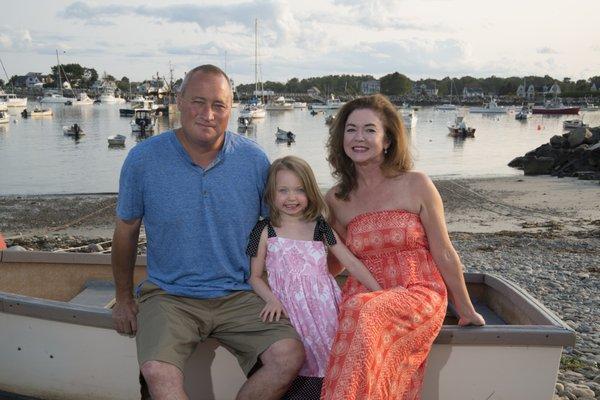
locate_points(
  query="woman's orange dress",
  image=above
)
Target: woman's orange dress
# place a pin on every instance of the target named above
(384, 337)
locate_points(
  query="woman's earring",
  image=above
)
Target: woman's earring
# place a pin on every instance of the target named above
(385, 151)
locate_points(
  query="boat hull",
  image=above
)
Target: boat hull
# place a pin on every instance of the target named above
(53, 348)
(556, 111)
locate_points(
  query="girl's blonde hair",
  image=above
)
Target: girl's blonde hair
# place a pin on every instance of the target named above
(316, 203)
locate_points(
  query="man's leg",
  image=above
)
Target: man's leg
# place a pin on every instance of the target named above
(165, 381)
(281, 363)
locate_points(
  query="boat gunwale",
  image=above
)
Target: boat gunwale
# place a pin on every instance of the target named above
(548, 329)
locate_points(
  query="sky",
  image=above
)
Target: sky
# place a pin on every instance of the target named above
(305, 38)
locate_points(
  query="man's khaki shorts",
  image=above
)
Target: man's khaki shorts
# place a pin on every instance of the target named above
(170, 327)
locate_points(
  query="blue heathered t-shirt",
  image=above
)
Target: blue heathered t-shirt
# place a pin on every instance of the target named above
(197, 220)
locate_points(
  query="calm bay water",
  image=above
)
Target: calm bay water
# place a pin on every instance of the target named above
(36, 158)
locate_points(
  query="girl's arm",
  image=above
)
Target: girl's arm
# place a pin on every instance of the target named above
(334, 265)
(443, 253)
(273, 309)
(353, 264)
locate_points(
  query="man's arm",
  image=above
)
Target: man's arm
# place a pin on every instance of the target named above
(123, 255)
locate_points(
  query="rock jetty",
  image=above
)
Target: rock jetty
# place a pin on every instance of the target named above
(575, 153)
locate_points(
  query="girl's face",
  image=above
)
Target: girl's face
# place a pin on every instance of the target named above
(290, 197)
(364, 136)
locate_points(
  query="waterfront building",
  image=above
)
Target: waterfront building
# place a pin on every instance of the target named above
(370, 87)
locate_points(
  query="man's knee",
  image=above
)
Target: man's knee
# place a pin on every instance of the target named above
(287, 355)
(158, 372)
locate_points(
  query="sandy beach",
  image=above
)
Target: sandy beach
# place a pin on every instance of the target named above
(541, 232)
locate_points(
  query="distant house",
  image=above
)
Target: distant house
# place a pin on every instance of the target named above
(527, 92)
(521, 91)
(370, 87)
(530, 92)
(313, 91)
(594, 88)
(553, 90)
(424, 90)
(34, 80)
(472, 92)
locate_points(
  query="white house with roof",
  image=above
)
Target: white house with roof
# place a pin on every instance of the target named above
(593, 88)
(423, 89)
(370, 87)
(472, 92)
(527, 92)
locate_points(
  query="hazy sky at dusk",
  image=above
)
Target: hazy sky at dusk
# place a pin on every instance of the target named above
(426, 38)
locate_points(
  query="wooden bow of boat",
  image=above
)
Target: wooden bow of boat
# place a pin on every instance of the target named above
(58, 342)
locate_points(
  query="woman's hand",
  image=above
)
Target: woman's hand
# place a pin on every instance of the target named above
(472, 319)
(272, 311)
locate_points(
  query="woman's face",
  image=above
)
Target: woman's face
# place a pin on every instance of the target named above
(364, 137)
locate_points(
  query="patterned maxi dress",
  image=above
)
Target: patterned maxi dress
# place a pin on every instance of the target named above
(384, 337)
(298, 276)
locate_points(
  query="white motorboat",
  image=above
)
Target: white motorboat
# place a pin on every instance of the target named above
(590, 107)
(12, 100)
(73, 130)
(108, 96)
(4, 118)
(143, 121)
(287, 136)
(332, 103)
(574, 124)
(489, 108)
(299, 104)
(55, 98)
(279, 104)
(56, 326)
(409, 118)
(460, 128)
(116, 140)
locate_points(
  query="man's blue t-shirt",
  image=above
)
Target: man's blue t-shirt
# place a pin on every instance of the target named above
(197, 220)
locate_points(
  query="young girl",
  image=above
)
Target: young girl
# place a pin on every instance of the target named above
(293, 246)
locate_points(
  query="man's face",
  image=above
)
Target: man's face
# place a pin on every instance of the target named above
(205, 107)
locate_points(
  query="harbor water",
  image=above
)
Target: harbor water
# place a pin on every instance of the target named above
(37, 158)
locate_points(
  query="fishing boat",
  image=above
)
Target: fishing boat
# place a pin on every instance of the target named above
(4, 118)
(41, 112)
(333, 103)
(555, 107)
(279, 104)
(116, 140)
(287, 136)
(143, 121)
(58, 341)
(460, 129)
(574, 124)
(488, 108)
(82, 99)
(73, 130)
(108, 96)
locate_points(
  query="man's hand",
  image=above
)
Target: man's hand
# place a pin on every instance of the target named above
(124, 317)
(273, 310)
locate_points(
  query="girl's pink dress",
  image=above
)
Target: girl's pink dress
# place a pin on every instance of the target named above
(298, 275)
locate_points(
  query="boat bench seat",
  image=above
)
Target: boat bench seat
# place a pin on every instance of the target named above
(96, 293)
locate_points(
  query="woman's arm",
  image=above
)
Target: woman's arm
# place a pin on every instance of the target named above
(273, 309)
(443, 253)
(353, 264)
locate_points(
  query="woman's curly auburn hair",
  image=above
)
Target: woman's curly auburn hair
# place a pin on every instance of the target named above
(397, 158)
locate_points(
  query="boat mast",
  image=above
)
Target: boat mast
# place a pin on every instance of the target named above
(58, 72)
(256, 55)
(7, 78)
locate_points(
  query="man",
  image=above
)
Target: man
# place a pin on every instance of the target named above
(199, 192)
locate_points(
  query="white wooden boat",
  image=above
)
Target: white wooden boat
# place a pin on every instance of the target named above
(73, 130)
(116, 140)
(41, 112)
(287, 136)
(58, 342)
(574, 124)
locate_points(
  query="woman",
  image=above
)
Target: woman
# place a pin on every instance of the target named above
(392, 219)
